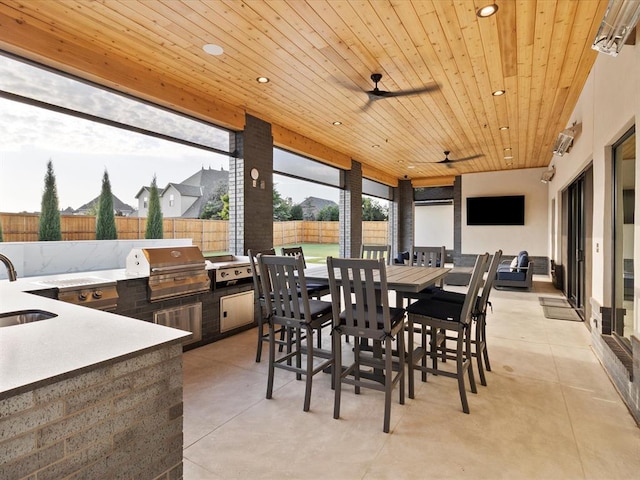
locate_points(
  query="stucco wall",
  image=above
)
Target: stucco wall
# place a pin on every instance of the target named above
(533, 236)
(608, 106)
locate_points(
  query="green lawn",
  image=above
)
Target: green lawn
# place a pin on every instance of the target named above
(315, 252)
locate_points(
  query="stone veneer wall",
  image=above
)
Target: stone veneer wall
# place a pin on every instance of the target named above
(627, 383)
(122, 420)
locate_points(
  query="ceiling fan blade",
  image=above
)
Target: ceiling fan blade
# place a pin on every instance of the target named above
(471, 157)
(415, 91)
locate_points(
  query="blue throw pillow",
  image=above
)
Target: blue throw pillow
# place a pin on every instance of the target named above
(523, 261)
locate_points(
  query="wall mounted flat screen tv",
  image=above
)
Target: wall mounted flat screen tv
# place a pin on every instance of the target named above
(505, 210)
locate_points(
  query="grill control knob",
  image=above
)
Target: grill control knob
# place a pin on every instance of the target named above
(238, 272)
(223, 274)
(97, 294)
(82, 296)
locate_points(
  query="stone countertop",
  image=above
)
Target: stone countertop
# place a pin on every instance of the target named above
(76, 340)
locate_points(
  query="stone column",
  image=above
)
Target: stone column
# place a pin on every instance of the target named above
(351, 212)
(401, 218)
(251, 200)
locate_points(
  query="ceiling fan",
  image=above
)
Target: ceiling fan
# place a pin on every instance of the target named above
(449, 163)
(377, 94)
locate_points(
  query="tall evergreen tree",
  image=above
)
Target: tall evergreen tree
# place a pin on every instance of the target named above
(154, 216)
(49, 229)
(106, 220)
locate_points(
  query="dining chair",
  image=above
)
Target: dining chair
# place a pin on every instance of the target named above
(315, 290)
(258, 298)
(479, 316)
(441, 320)
(425, 256)
(366, 316)
(376, 251)
(291, 307)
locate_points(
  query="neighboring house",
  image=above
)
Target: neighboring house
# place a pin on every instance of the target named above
(119, 207)
(186, 199)
(312, 205)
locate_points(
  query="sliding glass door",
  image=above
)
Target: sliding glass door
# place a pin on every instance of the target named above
(624, 174)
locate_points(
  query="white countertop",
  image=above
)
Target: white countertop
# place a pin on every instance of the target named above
(33, 354)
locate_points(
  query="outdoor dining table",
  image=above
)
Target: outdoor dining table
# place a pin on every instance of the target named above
(400, 278)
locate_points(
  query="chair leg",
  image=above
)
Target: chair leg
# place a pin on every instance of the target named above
(272, 359)
(460, 360)
(468, 358)
(479, 349)
(483, 331)
(410, 359)
(309, 379)
(388, 383)
(260, 338)
(401, 362)
(337, 375)
(298, 333)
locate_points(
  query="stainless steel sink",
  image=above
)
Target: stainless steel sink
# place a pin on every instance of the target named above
(24, 316)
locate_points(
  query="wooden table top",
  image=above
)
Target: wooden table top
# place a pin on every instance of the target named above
(401, 278)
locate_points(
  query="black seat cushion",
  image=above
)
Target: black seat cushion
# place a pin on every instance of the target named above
(396, 314)
(436, 309)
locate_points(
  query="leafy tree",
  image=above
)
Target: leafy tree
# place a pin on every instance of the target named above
(49, 228)
(330, 213)
(281, 207)
(154, 216)
(106, 221)
(373, 211)
(296, 212)
(217, 207)
(224, 214)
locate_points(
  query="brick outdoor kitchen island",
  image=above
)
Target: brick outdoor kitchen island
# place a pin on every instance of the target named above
(87, 393)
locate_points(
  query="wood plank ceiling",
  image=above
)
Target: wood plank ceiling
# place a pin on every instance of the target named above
(319, 56)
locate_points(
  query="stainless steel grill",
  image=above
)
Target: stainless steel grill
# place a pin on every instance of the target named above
(229, 270)
(173, 271)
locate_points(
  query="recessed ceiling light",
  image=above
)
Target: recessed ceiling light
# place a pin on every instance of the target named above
(262, 80)
(508, 148)
(213, 49)
(498, 93)
(487, 10)
(375, 146)
(336, 123)
(411, 166)
(504, 128)
(509, 157)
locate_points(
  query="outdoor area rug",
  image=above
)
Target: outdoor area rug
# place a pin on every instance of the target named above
(561, 313)
(554, 302)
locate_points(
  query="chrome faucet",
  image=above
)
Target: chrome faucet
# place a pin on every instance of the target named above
(11, 271)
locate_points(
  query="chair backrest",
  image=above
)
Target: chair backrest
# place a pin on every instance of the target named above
(375, 252)
(293, 251)
(363, 308)
(428, 256)
(488, 284)
(471, 298)
(255, 270)
(284, 286)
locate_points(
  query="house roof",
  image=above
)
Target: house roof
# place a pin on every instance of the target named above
(118, 205)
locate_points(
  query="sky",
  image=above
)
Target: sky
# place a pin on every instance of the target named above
(81, 150)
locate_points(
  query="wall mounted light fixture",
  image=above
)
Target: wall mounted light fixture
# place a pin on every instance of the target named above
(619, 21)
(564, 142)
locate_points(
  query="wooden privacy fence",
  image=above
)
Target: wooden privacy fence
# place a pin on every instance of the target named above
(209, 235)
